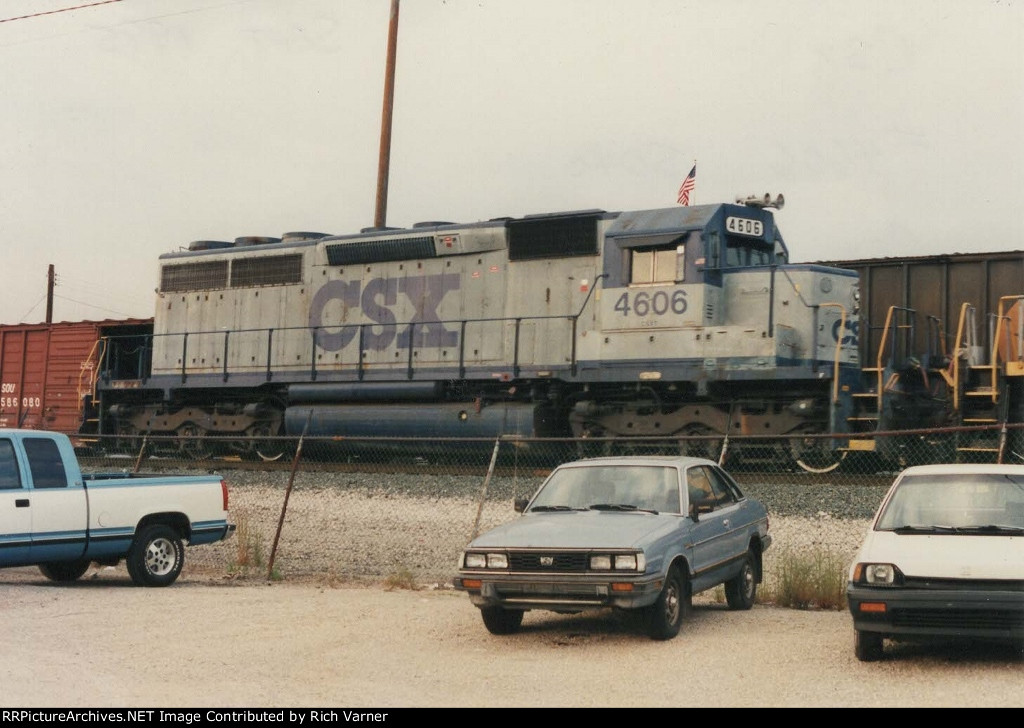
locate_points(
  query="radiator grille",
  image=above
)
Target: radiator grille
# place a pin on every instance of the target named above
(376, 251)
(194, 276)
(272, 270)
(563, 562)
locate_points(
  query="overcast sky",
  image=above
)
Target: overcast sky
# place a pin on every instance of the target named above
(131, 128)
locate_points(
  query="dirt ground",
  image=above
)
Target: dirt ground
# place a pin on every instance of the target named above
(204, 643)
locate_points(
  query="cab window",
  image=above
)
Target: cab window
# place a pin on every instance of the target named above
(45, 463)
(10, 477)
(658, 265)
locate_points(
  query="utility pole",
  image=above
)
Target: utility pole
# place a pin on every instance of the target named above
(49, 295)
(380, 218)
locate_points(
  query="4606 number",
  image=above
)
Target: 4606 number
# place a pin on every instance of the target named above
(644, 303)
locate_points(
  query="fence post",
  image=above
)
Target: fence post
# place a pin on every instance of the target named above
(483, 493)
(287, 493)
(142, 451)
(1002, 443)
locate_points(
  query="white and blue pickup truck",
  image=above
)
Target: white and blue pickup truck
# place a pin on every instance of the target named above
(54, 516)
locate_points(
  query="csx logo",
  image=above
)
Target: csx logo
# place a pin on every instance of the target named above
(850, 337)
(375, 299)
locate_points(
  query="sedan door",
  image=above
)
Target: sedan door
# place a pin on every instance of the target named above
(712, 538)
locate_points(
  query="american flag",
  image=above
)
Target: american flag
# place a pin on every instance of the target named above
(687, 187)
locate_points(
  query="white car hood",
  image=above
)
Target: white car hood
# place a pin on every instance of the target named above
(947, 556)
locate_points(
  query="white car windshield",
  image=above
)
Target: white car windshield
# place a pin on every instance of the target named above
(610, 487)
(956, 503)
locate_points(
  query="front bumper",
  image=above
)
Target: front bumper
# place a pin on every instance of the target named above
(560, 592)
(951, 612)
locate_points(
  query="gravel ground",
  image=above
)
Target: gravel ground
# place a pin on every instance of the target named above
(376, 527)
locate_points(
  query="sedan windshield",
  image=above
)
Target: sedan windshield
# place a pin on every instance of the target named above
(971, 503)
(610, 487)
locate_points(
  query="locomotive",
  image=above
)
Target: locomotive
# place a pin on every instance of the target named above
(684, 324)
(676, 322)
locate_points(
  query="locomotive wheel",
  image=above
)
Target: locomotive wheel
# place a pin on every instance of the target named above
(271, 449)
(814, 455)
(707, 447)
(193, 442)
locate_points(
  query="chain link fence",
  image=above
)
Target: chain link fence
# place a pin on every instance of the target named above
(400, 511)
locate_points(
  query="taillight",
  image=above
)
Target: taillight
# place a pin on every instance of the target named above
(224, 492)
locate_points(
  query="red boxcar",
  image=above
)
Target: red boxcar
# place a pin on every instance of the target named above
(48, 372)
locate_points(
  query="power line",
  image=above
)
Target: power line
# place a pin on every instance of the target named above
(91, 305)
(59, 10)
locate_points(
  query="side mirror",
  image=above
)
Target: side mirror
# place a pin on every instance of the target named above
(519, 504)
(701, 506)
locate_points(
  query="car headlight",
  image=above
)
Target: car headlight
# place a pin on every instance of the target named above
(478, 560)
(620, 562)
(876, 574)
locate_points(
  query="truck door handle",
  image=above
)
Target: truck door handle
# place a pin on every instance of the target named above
(21, 503)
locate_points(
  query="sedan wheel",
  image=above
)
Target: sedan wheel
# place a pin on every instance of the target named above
(741, 590)
(665, 616)
(867, 646)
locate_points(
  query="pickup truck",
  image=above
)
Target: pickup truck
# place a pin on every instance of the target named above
(54, 516)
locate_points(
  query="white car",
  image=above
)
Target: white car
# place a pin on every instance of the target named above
(944, 557)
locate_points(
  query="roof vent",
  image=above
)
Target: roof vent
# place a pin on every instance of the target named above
(255, 240)
(209, 244)
(298, 237)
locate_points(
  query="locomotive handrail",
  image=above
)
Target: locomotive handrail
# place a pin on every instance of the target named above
(314, 331)
(586, 300)
(839, 345)
(886, 329)
(966, 312)
(1001, 318)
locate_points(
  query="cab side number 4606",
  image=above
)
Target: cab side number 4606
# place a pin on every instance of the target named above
(644, 303)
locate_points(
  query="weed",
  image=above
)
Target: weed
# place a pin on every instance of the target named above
(808, 580)
(248, 545)
(401, 579)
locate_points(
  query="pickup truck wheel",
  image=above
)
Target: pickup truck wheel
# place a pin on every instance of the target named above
(156, 556)
(501, 621)
(64, 570)
(665, 616)
(867, 646)
(741, 590)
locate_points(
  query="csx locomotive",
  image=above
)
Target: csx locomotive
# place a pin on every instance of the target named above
(676, 322)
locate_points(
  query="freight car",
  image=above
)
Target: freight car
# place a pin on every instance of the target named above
(48, 372)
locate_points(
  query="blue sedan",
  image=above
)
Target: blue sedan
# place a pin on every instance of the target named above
(634, 533)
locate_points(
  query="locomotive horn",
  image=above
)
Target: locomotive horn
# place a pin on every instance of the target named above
(760, 202)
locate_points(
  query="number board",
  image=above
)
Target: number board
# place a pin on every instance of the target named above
(744, 226)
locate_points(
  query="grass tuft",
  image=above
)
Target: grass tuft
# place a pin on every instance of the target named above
(401, 579)
(807, 580)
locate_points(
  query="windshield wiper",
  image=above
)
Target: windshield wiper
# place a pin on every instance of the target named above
(994, 528)
(926, 529)
(619, 507)
(555, 508)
